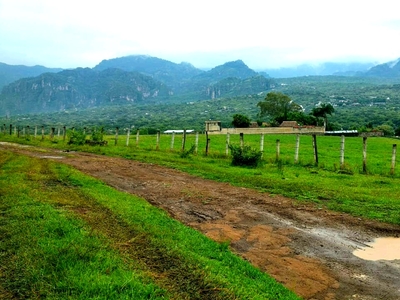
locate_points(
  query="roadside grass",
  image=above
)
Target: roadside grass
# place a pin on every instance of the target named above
(373, 195)
(66, 235)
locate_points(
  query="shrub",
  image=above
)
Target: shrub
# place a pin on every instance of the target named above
(245, 156)
(97, 135)
(76, 137)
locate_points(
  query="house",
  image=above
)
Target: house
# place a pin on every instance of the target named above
(213, 126)
(289, 124)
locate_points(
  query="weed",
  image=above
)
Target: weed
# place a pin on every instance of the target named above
(187, 153)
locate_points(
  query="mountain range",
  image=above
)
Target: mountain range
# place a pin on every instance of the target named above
(145, 79)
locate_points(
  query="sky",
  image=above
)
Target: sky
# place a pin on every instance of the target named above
(264, 34)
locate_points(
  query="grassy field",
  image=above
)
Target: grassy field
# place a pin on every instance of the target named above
(65, 235)
(374, 194)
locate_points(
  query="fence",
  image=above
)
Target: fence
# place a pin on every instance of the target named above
(306, 150)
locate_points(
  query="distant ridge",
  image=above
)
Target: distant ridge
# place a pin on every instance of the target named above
(165, 71)
(10, 73)
(387, 70)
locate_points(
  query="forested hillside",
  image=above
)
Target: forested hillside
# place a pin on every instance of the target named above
(152, 93)
(79, 89)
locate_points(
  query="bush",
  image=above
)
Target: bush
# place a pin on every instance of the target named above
(245, 156)
(76, 137)
(97, 135)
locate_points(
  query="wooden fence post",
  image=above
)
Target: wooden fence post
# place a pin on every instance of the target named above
(18, 131)
(207, 143)
(10, 129)
(42, 133)
(228, 138)
(35, 134)
(128, 133)
(137, 136)
(196, 143)
(116, 135)
(278, 149)
(314, 138)
(183, 140)
(262, 144)
(393, 159)
(52, 133)
(241, 140)
(342, 152)
(28, 131)
(158, 140)
(296, 149)
(64, 133)
(58, 132)
(365, 154)
(172, 140)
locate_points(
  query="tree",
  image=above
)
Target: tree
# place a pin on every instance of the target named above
(387, 129)
(322, 111)
(240, 121)
(278, 106)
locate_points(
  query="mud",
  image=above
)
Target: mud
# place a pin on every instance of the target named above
(307, 249)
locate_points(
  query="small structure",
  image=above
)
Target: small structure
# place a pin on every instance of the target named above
(287, 127)
(213, 126)
(178, 131)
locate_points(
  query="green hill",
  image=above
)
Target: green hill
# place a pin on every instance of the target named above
(79, 89)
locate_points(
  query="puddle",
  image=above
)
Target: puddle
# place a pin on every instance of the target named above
(49, 156)
(380, 249)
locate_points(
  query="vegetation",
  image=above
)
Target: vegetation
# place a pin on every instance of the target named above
(240, 121)
(76, 137)
(322, 111)
(277, 105)
(54, 247)
(245, 156)
(346, 188)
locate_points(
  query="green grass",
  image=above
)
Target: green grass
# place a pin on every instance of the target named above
(373, 195)
(66, 235)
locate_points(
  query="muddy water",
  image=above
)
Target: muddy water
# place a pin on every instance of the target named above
(381, 249)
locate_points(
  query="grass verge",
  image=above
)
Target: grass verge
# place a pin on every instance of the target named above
(67, 236)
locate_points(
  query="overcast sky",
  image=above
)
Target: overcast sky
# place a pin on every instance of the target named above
(206, 33)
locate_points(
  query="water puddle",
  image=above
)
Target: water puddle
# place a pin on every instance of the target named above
(380, 249)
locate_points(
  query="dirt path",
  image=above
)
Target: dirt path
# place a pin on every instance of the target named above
(307, 249)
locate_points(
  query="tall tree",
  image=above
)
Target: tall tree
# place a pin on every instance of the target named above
(322, 111)
(240, 121)
(278, 106)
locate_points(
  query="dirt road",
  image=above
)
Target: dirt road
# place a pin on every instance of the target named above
(309, 250)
